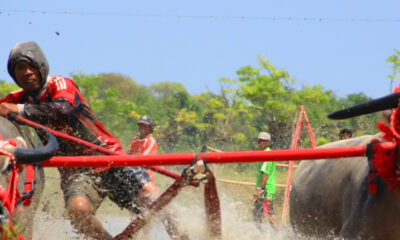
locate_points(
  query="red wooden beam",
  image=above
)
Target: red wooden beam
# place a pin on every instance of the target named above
(214, 157)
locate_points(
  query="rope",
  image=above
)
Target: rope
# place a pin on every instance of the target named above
(10, 196)
(394, 122)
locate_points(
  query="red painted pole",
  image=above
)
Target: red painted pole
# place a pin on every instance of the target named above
(291, 163)
(299, 124)
(310, 131)
(215, 157)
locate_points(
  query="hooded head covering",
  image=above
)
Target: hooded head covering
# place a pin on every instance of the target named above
(31, 52)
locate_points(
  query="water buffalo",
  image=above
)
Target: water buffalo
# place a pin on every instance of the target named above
(25, 154)
(330, 198)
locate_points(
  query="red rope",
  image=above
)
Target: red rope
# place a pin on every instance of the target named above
(394, 124)
(384, 161)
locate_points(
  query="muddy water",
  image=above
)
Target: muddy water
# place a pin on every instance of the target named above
(48, 228)
(50, 222)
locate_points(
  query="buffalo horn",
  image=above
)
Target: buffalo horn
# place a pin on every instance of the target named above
(31, 156)
(376, 105)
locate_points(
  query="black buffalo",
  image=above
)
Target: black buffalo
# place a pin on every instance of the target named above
(330, 198)
(25, 154)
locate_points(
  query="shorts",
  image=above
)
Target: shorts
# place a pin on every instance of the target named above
(120, 185)
(262, 208)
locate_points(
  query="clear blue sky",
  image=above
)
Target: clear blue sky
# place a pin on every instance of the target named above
(198, 42)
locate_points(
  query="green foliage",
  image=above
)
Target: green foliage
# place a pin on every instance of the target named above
(261, 98)
(6, 88)
(88, 85)
(321, 141)
(395, 60)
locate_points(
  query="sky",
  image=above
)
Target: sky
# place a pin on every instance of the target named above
(341, 45)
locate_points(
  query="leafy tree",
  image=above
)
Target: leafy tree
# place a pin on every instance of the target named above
(273, 100)
(89, 86)
(394, 59)
(6, 88)
(174, 112)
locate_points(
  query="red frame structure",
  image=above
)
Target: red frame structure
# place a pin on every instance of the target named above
(212, 205)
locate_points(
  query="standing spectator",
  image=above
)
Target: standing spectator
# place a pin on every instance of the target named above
(345, 134)
(265, 187)
(144, 144)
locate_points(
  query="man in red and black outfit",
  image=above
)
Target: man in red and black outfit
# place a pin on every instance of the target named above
(57, 103)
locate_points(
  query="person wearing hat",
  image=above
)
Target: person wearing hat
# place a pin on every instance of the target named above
(144, 144)
(57, 103)
(265, 187)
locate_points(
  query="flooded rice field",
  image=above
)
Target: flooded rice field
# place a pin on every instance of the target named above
(50, 222)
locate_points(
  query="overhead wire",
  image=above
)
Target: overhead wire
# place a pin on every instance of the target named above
(216, 17)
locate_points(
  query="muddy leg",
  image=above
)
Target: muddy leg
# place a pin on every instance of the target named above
(274, 222)
(257, 212)
(82, 218)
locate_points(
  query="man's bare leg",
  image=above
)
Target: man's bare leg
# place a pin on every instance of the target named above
(274, 221)
(83, 218)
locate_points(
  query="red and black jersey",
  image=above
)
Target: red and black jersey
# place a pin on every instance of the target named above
(62, 107)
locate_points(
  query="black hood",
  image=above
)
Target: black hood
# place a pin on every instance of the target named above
(31, 52)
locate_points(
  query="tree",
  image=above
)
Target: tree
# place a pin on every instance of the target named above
(394, 59)
(6, 88)
(174, 111)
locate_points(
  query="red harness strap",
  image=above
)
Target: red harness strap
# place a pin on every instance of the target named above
(10, 196)
(29, 184)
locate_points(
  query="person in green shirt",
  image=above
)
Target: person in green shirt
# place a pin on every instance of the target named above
(265, 187)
